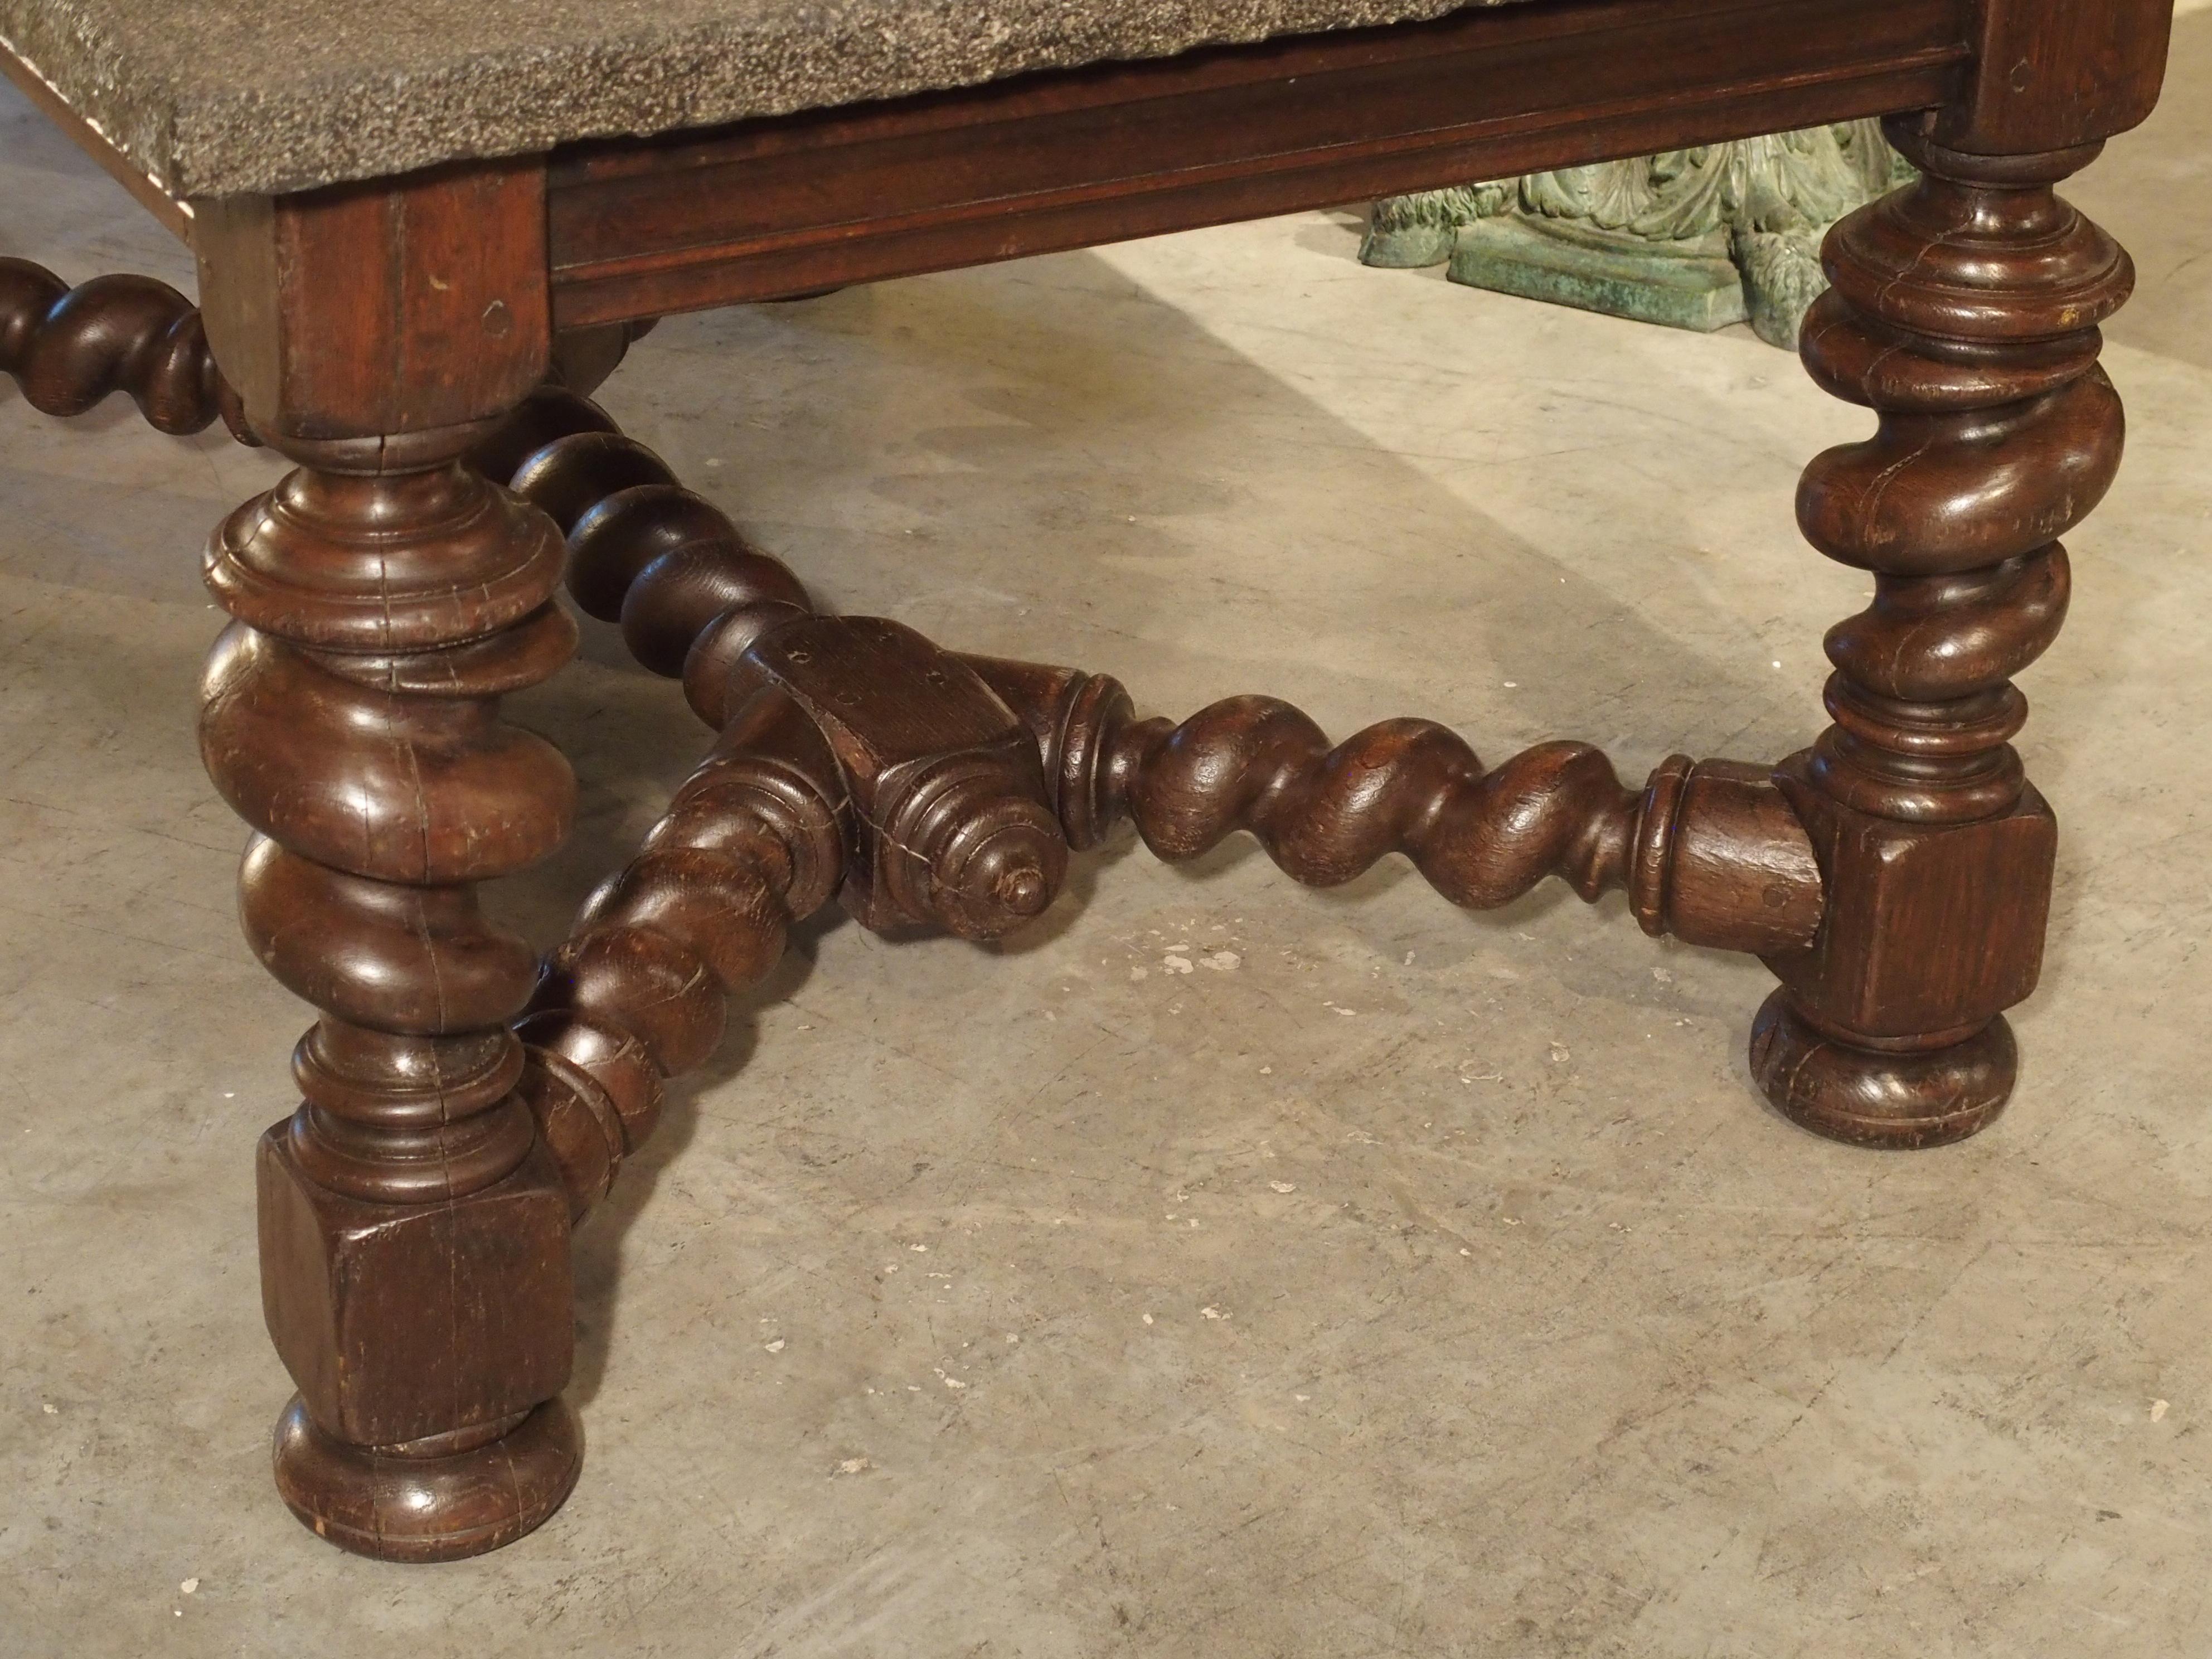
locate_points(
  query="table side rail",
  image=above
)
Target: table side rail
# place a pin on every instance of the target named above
(1065, 160)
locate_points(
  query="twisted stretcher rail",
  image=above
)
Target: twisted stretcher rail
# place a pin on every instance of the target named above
(465, 1101)
(68, 347)
(762, 834)
(752, 842)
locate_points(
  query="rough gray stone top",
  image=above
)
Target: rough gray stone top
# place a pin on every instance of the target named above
(221, 97)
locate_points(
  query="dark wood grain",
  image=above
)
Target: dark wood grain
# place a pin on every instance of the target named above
(69, 348)
(942, 800)
(1708, 851)
(1965, 313)
(463, 1105)
(754, 840)
(2054, 74)
(1069, 159)
(414, 1234)
(938, 832)
(384, 307)
(856, 758)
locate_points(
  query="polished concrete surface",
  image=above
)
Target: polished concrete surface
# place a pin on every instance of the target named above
(1221, 1269)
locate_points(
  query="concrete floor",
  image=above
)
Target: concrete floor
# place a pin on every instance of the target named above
(1404, 1282)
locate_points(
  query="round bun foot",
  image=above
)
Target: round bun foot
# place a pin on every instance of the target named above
(431, 1500)
(1901, 1099)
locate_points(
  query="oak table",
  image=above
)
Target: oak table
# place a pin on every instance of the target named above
(425, 234)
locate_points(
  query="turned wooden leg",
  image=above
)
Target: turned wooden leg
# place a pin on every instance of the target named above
(1965, 312)
(415, 1239)
(414, 1230)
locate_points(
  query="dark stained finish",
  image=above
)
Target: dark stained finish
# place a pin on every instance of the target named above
(2054, 74)
(68, 348)
(923, 789)
(1964, 313)
(436, 283)
(754, 840)
(855, 760)
(950, 829)
(1710, 852)
(464, 1105)
(414, 1233)
(1072, 159)
(481, 1488)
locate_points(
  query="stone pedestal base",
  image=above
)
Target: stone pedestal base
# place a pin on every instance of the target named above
(1688, 284)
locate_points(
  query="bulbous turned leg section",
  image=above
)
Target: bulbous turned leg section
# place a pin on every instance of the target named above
(414, 1229)
(1899, 1097)
(439, 1499)
(1963, 312)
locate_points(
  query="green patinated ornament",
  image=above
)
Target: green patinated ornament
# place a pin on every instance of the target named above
(1692, 238)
